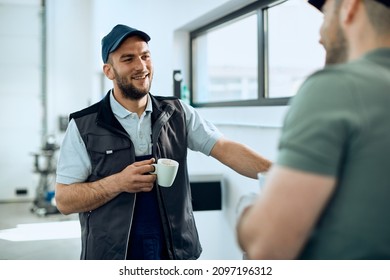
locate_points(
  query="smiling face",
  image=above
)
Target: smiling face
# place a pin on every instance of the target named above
(131, 69)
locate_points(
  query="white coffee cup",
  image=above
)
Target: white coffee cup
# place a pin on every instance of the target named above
(166, 170)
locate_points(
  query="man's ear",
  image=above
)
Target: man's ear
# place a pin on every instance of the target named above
(349, 9)
(108, 71)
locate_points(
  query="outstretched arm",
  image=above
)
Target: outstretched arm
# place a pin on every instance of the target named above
(240, 158)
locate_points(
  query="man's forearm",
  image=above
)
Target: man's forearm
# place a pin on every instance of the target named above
(240, 158)
(83, 197)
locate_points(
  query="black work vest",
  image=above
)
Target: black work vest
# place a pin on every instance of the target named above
(105, 230)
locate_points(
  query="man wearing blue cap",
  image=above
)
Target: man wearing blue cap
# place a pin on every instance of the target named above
(103, 172)
(327, 195)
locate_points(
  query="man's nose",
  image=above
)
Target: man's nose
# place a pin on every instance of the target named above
(140, 64)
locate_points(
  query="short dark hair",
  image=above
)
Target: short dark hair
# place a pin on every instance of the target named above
(379, 16)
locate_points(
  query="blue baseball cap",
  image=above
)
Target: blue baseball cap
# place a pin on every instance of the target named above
(117, 35)
(319, 3)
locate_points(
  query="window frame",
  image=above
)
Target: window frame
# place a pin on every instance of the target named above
(260, 8)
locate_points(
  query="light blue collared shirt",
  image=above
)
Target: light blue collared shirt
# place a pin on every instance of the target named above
(74, 164)
(138, 128)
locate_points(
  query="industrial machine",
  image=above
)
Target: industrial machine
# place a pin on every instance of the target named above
(45, 166)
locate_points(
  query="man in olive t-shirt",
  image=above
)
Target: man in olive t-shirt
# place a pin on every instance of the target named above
(328, 196)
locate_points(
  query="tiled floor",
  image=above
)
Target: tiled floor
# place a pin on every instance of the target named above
(27, 236)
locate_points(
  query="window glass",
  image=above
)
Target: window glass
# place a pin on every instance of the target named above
(225, 62)
(293, 48)
(259, 55)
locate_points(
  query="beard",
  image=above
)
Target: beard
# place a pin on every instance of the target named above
(337, 52)
(128, 90)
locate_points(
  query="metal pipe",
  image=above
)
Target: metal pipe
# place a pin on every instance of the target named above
(43, 72)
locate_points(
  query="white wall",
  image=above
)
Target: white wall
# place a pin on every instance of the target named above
(20, 91)
(69, 58)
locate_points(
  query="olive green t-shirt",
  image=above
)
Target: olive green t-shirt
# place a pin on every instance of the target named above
(339, 125)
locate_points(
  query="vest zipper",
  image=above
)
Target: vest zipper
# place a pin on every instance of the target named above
(167, 227)
(86, 236)
(131, 222)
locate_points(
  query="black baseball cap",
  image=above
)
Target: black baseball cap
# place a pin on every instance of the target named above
(117, 35)
(319, 3)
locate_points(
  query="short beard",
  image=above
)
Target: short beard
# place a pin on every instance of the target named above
(338, 51)
(129, 91)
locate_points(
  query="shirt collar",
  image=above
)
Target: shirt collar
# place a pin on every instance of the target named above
(121, 111)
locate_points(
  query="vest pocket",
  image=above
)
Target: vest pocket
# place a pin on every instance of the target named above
(109, 154)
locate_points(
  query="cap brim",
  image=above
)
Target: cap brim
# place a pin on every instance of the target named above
(317, 3)
(385, 2)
